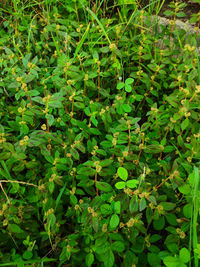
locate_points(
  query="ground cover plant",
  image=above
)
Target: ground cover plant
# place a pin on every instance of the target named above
(99, 135)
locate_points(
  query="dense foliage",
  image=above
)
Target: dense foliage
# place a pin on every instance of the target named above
(99, 136)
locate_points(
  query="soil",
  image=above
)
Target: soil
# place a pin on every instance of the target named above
(191, 8)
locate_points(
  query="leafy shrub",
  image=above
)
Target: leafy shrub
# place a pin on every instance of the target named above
(99, 139)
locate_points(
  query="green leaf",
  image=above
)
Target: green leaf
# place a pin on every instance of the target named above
(185, 189)
(120, 185)
(185, 124)
(95, 131)
(80, 44)
(106, 209)
(114, 221)
(129, 81)
(105, 187)
(168, 149)
(184, 254)
(106, 162)
(153, 259)
(171, 218)
(89, 259)
(14, 228)
(74, 153)
(118, 246)
(126, 108)
(108, 258)
(100, 24)
(50, 119)
(122, 172)
(154, 238)
(134, 204)
(120, 85)
(132, 183)
(128, 88)
(142, 204)
(159, 224)
(86, 171)
(154, 149)
(187, 210)
(117, 207)
(27, 255)
(180, 14)
(171, 261)
(168, 205)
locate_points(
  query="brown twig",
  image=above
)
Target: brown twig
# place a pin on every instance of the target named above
(4, 192)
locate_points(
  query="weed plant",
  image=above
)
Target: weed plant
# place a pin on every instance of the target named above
(99, 135)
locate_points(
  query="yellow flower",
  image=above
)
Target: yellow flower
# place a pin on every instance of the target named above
(21, 142)
(26, 138)
(20, 110)
(112, 47)
(43, 127)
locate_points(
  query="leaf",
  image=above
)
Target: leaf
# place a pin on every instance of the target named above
(122, 172)
(106, 144)
(50, 119)
(105, 187)
(187, 210)
(95, 224)
(180, 14)
(106, 162)
(126, 108)
(80, 44)
(14, 228)
(154, 149)
(100, 24)
(128, 88)
(120, 185)
(129, 81)
(114, 221)
(153, 259)
(89, 259)
(108, 258)
(185, 124)
(117, 207)
(27, 255)
(168, 205)
(159, 224)
(171, 218)
(184, 254)
(95, 131)
(185, 189)
(118, 246)
(171, 261)
(94, 121)
(106, 209)
(74, 153)
(168, 149)
(132, 183)
(120, 85)
(86, 171)
(142, 204)
(134, 204)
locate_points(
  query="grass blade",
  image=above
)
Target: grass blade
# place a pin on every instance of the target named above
(100, 24)
(81, 42)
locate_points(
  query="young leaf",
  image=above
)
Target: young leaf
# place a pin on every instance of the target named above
(114, 221)
(132, 183)
(122, 172)
(120, 185)
(184, 254)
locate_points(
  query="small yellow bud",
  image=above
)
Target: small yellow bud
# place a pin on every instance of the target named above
(43, 127)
